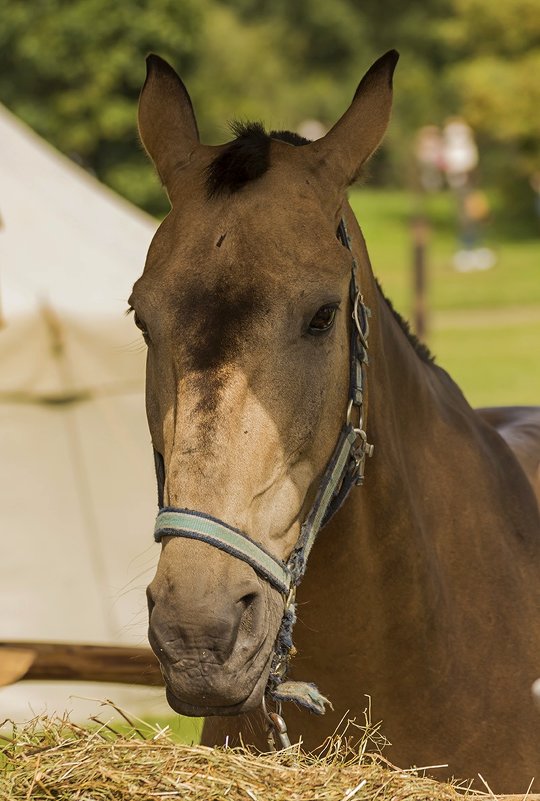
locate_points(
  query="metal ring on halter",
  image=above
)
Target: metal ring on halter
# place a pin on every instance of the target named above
(367, 449)
(349, 410)
(358, 430)
(363, 334)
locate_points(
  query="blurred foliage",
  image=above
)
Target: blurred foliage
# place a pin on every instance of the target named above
(494, 79)
(73, 69)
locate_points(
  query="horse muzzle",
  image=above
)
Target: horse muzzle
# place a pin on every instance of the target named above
(213, 631)
(211, 701)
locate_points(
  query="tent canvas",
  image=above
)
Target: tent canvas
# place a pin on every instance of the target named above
(77, 491)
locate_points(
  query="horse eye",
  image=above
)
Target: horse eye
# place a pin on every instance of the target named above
(141, 326)
(323, 320)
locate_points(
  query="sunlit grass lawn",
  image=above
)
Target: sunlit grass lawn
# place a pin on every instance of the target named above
(494, 364)
(484, 326)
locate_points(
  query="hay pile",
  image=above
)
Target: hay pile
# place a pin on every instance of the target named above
(56, 759)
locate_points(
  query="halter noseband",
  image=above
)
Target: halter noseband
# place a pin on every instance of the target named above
(344, 470)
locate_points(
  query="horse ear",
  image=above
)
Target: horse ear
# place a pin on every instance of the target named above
(167, 124)
(359, 132)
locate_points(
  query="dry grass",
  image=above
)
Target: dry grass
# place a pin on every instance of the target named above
(56, 759)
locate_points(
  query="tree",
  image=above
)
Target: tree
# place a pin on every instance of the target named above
(73, 70)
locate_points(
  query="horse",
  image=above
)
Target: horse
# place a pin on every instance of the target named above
(264, 386)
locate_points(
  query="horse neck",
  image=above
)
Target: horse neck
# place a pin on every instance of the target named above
(436, 495)
(391, 532)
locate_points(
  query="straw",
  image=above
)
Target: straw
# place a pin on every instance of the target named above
(52, 758)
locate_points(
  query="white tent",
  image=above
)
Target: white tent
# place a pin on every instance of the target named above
(77, 491)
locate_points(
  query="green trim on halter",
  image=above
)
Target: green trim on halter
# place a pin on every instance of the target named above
(196, 525)
(172, 522)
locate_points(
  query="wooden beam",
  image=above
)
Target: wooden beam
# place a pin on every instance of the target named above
(43, 661)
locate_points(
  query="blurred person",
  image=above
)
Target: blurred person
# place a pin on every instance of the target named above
(312, 129)
(460, 156)
(429, 154)
(460, 153)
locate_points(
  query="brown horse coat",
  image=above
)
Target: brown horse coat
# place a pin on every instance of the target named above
(423, 592)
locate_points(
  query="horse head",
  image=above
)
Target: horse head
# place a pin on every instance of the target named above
(245, 307)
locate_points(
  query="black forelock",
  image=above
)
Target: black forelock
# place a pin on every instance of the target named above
(291, 137)
(246, 158)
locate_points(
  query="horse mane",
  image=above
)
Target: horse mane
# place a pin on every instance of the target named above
(247, 158)
(420, 348)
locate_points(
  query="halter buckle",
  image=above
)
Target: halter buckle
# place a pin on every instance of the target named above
(362, 331)
(359, 453)
(359, 429)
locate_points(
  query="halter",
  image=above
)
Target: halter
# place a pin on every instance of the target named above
(344, 471)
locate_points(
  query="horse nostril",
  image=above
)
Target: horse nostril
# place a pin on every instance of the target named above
(248, 600)
(150, 599)
(249, 610)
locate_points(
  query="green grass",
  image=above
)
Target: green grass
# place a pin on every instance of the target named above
(484, 326)
(494, 365)
(180, 729)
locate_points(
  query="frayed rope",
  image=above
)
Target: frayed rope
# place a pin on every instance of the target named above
(302, 693)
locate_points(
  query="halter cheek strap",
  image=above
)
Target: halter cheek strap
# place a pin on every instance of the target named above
(344, 470)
